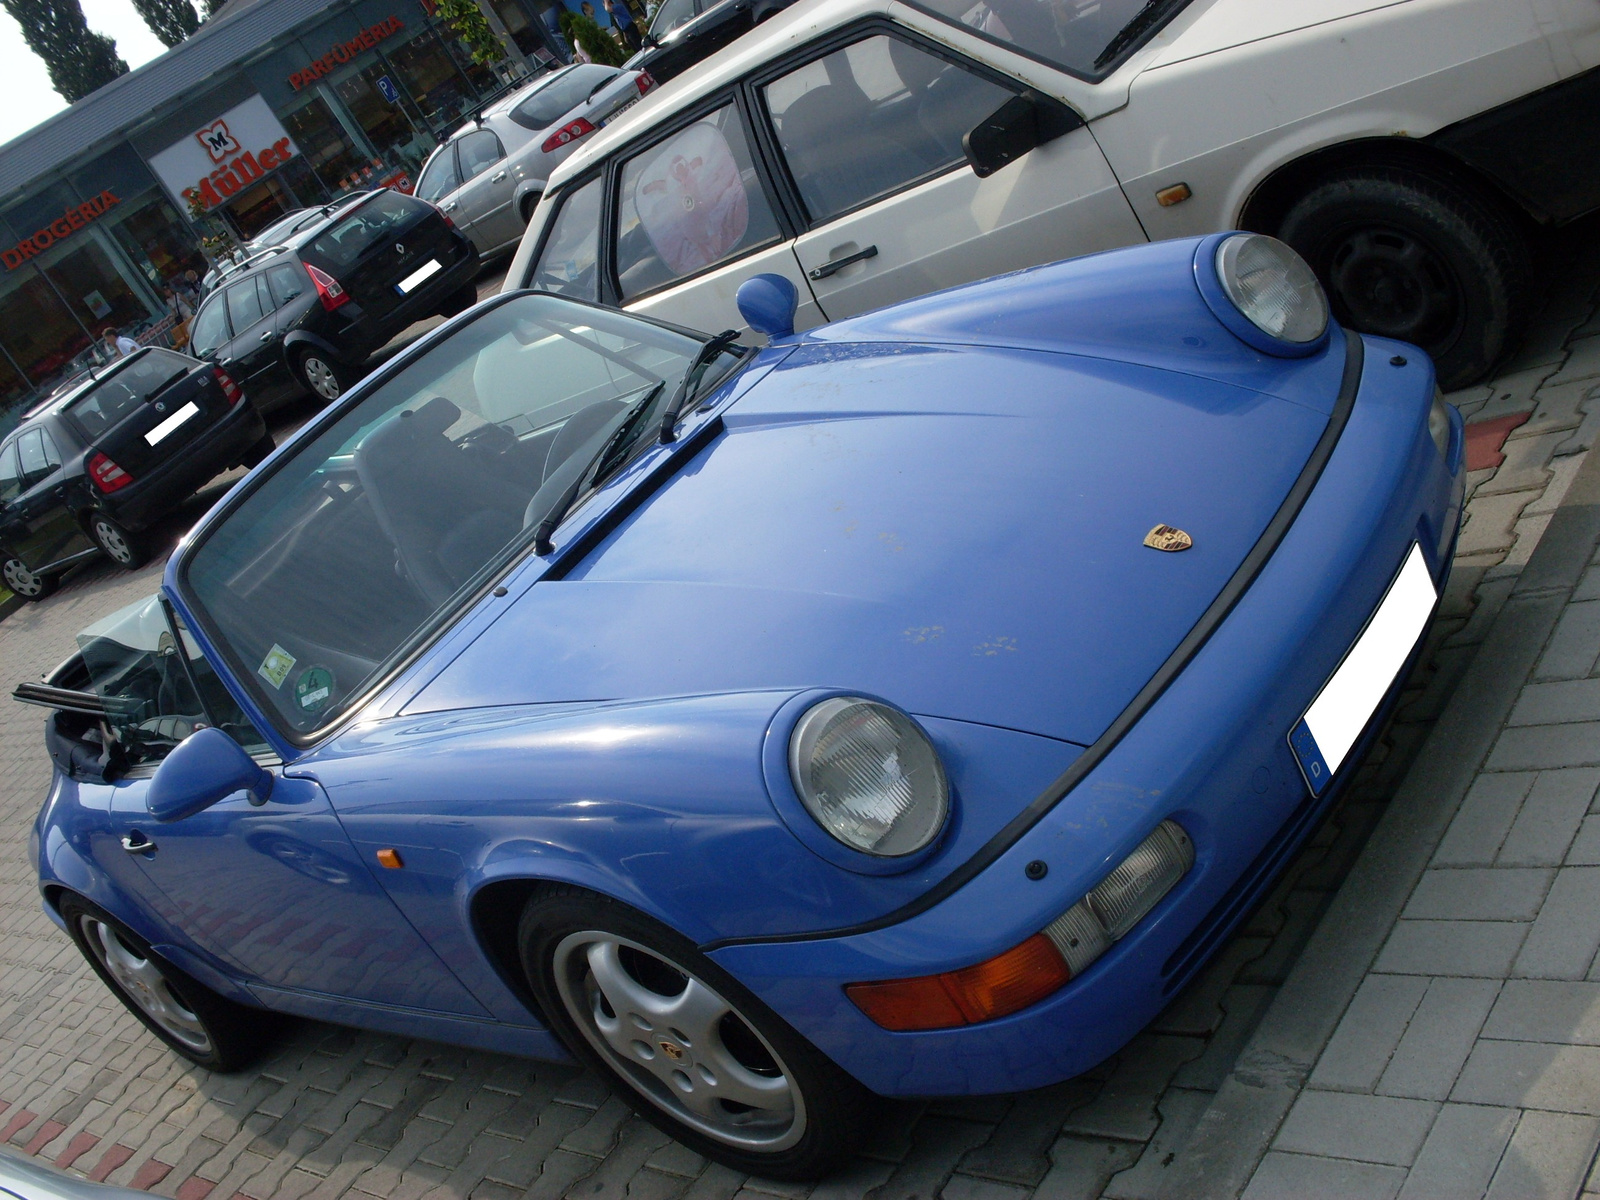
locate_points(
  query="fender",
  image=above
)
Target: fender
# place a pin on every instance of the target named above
(301, 338)
(520, 197)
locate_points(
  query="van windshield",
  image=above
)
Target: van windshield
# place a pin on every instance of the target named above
(1087, 38)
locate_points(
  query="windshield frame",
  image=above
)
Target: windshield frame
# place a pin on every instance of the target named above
(1175, 7)
(514, 556)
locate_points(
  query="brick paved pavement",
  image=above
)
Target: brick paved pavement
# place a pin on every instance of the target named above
(334, 1112)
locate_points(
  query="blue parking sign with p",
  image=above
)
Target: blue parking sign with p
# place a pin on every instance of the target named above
(387, 87)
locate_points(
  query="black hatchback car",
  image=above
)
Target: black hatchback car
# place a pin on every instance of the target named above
(687, 31)
(91, 468)
(308, 316)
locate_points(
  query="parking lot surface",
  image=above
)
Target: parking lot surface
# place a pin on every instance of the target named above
(334, 1112)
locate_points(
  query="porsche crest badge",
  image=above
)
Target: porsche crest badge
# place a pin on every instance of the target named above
(1166, 537)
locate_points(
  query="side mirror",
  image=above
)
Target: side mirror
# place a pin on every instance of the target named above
(767, 303)
(205, 767)
(1016, 127)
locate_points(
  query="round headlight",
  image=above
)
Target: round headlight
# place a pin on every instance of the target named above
(1273, 287)
(869, 776)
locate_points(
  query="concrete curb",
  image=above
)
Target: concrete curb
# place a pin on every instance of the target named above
(1234, 1132)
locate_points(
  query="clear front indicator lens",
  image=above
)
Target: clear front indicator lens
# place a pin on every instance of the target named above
(1273, 287)
(869, 776)
(1046, 962)
(1439, 424)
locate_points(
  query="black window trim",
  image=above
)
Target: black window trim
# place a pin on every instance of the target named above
(1111, 67)
(787, 230)
(220, 299)
(562, 195)
(839, 39)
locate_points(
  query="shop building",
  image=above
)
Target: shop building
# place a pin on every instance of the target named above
(272, 105)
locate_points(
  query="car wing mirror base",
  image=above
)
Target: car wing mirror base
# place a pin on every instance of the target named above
(1016, 127)
(205, 767)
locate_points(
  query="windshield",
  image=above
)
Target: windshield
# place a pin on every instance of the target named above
(561, 95)
(105, 404)
(370, 534)
(364, 228)
(1086, 37)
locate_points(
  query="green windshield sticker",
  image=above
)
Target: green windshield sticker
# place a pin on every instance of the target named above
(276, 666)
(314, 687)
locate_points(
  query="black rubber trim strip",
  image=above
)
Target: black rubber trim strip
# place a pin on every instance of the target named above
(1197, 637)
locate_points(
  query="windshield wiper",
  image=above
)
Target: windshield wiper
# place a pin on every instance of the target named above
(707, 355)
(592, 468)
(1136, 28)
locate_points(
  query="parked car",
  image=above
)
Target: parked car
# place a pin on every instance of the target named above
(871, 151)
(907, 708)
(683, 32)
(285, 227)
(87, 471)
(28, 1179)
(305, 316)
(489, 174)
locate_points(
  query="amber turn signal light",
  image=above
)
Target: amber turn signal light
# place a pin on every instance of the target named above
(390, 859)
(1000, 986)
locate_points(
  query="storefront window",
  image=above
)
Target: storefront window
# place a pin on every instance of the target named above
(255, 208)
(94, 289)
(158, 241)
(430, 76)
(324, 145)
(388, 128)
(38, 330)
(15, 396)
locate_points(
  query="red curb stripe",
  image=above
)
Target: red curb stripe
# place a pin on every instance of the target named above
(17, 1124)
(4, 1104)
(1484, 439)
(194, 1188)
(147, 1176)
(80, 1145)
(110, 1161)
(48, 1132)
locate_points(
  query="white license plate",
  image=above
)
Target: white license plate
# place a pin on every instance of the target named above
(618, 112)
(426, 271)
(171, 423)
(1325, 735)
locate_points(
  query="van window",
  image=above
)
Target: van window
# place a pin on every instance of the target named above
(370, 223)
(439, 177)
(286, 281)
(478, 150)
(1085, 39)
(689, 203)
(873, 118)
(568, 264)
(210, 327)
(244, 305)
(31, 457)
(10, 475)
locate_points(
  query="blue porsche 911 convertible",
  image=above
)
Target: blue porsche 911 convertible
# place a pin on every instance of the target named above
(906, 708)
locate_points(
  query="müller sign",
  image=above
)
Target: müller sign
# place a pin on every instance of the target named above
(61, 228)
(226, 156)
(345, 51)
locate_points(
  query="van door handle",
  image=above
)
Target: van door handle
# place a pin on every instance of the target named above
(450, 207)
(498, 177)
(839, 264)
(266, 335)
(137, 843)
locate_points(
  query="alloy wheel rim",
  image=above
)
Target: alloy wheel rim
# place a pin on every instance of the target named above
(143, 983)
(112, 541)
(689, 1052)
(322, 379)
(1389, 282)
(21, 580)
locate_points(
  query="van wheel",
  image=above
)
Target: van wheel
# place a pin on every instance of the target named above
(24, 584)
(1414, 258)
(116, 543)
(323, 377)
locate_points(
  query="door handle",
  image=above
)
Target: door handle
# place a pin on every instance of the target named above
(839, 264)
(450, 207)
(136, 843)
(498, 177)
(266, 335)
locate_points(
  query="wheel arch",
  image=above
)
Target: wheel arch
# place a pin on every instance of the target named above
(300, 340)
(1270, 200)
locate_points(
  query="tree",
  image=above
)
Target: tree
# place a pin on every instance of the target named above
(169, 20)
(79, 60)
(466, 19)
(601, 47)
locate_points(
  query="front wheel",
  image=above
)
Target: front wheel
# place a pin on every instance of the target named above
(692, 1050)
(1418, 259)
(321, 375)
(188, 1016)
(24, 584)
(116, 543)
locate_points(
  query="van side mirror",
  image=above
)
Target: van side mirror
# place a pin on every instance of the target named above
(1017, 126)
(206, 766)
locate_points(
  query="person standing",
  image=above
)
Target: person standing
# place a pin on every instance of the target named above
(617, 10)
(116, 345)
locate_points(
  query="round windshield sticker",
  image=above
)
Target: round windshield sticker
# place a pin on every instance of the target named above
(313, 689)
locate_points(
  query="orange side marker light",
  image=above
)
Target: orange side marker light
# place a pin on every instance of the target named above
(391, 859)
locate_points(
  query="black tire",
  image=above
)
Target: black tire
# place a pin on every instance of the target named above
(115, 542)
(23, 583)
(322, 375)
(529, 203)
(747, 1050)
(257, 454)
(1419, 259)
(204, 1027)
(458, 301)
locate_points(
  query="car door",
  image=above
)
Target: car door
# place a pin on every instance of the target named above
(869, 131)
(254, 351)
(484, 208)
(277, 889)
(209, 333)
(290, 290)
(52, 532)
(13, 530)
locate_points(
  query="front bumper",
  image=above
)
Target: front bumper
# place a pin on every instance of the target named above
(158, 491)
(1212, 754)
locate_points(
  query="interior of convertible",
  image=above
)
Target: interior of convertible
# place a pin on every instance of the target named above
(383, 521)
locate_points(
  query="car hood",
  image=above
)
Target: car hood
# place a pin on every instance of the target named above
(959, 530)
